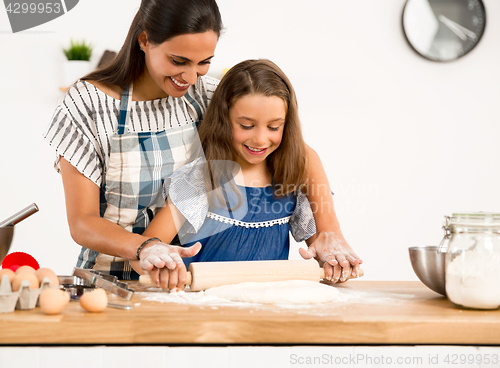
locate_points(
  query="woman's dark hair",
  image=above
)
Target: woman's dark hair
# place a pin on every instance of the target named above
(162, 20)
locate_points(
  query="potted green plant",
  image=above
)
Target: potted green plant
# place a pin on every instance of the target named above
(78, 55)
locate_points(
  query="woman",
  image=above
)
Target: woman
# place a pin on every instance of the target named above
(121, 130)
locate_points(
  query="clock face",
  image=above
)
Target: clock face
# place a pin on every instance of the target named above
(443, 30)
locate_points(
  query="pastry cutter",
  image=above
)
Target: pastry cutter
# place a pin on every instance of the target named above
(85, 279)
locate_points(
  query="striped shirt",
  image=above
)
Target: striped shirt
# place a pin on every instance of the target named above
(84, 122)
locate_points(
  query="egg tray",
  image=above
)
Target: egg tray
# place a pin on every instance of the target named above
(23, 299)
(83, 280)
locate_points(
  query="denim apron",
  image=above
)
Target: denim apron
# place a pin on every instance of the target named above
(138, 165)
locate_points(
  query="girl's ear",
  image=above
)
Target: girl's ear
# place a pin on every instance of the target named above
(143, 39)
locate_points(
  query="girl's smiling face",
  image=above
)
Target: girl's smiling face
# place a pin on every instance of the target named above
(175, 64)
(258, 122)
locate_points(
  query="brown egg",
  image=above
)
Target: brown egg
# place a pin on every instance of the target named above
(8, 272)
(53, 301)
(94, 301)
(46, 272)
(24, 269)
(16, 283)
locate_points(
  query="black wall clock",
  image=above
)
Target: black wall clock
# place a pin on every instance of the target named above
(443, 30)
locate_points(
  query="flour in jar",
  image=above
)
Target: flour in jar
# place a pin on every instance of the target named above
(473, 279)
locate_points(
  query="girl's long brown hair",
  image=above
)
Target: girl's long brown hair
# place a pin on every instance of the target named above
(162, 20)
(287, 164)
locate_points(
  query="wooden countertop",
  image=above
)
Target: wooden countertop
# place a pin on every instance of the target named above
(379, 312)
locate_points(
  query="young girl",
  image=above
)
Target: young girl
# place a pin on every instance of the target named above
(245, 211)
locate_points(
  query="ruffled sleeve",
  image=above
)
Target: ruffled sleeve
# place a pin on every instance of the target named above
(302, 224)
(186, 190)
(72, 133)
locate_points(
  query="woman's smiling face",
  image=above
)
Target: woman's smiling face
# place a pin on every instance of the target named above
(175, 64)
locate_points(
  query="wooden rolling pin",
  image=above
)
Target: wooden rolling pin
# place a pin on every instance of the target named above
(204, 275)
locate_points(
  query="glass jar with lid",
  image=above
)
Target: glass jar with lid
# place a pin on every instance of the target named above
(473, 260)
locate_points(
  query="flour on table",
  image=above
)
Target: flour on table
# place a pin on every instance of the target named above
(279, 292)
(284, 293)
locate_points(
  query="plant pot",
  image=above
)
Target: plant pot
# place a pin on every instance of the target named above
(74, 70)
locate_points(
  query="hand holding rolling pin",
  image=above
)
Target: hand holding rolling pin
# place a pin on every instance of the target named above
(164, 263)
(335, 255)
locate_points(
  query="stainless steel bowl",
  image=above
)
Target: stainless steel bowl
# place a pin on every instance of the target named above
(6, 234)
(429, 266)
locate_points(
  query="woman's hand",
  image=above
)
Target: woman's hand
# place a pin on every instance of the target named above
(335, 255)
(164, 263)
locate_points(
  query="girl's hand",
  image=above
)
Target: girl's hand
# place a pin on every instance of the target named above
(164, 263)
(335, 255)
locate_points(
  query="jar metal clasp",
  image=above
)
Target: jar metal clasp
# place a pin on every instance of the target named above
(447, 234)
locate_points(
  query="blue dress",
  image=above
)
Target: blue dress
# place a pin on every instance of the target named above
(257, 229)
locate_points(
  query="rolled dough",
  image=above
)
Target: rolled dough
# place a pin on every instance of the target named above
(278, 292)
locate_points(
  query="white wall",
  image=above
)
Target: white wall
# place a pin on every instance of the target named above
(404, 140)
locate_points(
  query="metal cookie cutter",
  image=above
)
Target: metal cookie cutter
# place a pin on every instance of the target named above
(75, 286)
(107, 282)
